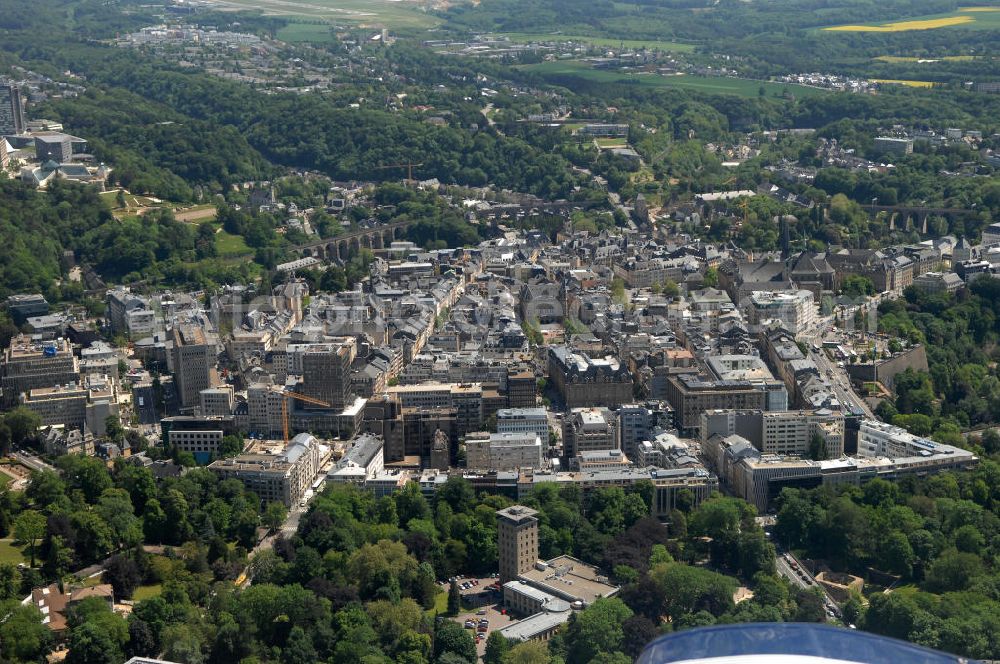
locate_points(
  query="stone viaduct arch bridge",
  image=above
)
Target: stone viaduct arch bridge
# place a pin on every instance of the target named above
(340, 247)
(914, 217)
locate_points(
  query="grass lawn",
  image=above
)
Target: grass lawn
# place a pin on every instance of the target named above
(524, 37)
(968, 18)
(231, 245)
(306, 32)
(14, 554)
(709, 84)
(5, 479)
(611, 142)
(147, 592)
(440, 604)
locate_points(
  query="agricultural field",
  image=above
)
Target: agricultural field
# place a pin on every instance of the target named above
(909, 84)
(898, 59)
(970, 18)
(524, 37)
(356, 13)
(708, 84)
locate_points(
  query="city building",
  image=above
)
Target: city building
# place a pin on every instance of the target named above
(879, 439)
(27, 365)
(587, 430)
(193, 360)
(796, 310)
(56, 147)
(130, 315)
(793, 432)
(326, 372)
(23, 307)
(84, 406)
(503, 451)
(890, 145)
(524, 420)
(752, 369)
(635, 423)
(276, 473)
(11, 111)
(691, 395)
(199, 435)
(517, 541)
(522, 389)
(217, 400)
(584, 381)
(362, 461)
(939, 282)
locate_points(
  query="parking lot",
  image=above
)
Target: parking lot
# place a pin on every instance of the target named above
(479, 603)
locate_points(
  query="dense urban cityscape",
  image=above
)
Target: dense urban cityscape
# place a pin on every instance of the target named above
(521, 332)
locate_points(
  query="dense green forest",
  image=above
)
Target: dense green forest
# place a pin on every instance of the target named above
(938, 536)
(961, 334)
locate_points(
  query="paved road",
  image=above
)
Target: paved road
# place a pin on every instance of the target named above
(803, 579)
(33, 462)
(840, 382)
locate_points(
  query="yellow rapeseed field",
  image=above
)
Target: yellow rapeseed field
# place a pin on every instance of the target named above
(901, 26)
(912, 84)
(979, 9)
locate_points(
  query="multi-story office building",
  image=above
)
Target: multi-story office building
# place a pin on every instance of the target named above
(217, 400)
(522, 389)
(263, 414)
(878, 439)
(790, 432)
(27, 365)
(503, 451)
(130, 315)
(691, 395)
(517, 541)
(82, 406)
(796, 310)
(420, 427)
(383, 416)
(589, 430)
(199, 435)
(585, 381)
(326, 372)
(53, 146)
(11, 111)
(193, 360)
(889, 144)
(634, 426)
(282, 476)
(524, 420)
(465, 398)
(753, 370)
(25, 306)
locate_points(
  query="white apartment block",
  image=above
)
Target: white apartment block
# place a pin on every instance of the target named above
(791, 432)
(281, 477)
(795, 309)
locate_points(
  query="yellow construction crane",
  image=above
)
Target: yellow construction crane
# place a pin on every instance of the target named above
(408, 166)
(300, 397)
(745, 206)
